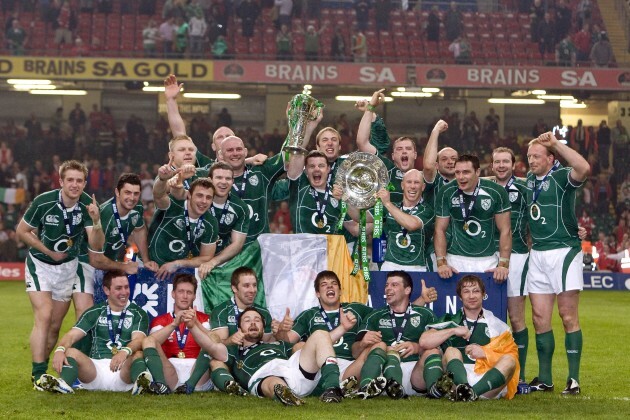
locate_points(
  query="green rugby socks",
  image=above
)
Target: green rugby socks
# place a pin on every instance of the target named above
(392, 369)
(456, 367)
(373, 366)
(432, 369)
(521, 338)
(219, 377)
(202, 364)
(70, 373)
(330, 373)
(573, 345)
(154, 364)
(545, 346)
(492, 379)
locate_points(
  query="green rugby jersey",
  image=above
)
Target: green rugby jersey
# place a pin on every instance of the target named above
(114, 248)
(223, 316)
(167, 234)
(395, 178)
(480, 333)
(257, 183)
(481, 237)
(236, 219)
(380, 320)
(311, 320)
(408, 249)
(552, 219)
(94, 322)
(429, 196)
(303, 208)
(244, 363)
(45, 214)
(517, 195)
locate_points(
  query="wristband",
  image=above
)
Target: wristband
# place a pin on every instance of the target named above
(441, 262)
(504, 262)
(97, 225)
(60, 348)
(371, 108)
(128, 350)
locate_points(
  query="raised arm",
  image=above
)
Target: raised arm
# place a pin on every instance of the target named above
(175, 120)
(365, 126)
(580, 167)
(405, 220)
(431, 151)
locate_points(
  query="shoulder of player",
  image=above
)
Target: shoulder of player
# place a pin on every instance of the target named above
(491, 185)
(134, 308)
(422, 310)
(96, 309)
(262, 309)
(221, 307)
(85, 199)
(237, 203)
(162, 320)
(106, 206)
(46, 199)
(202, 316)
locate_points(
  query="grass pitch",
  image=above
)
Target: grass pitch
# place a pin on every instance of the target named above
(605, 381)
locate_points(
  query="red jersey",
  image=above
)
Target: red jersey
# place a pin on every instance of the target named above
(170, 346)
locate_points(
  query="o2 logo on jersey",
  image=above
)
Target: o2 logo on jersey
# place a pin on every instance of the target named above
(403, 241)
(320, 223)
(176, 246)
(117, 245)
(269, 352)
(474, 229)
(61, 246)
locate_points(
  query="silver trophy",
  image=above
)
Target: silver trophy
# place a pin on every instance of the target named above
(302, 109)
(361, 176)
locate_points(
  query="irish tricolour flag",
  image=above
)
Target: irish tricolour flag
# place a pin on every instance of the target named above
(12, 195)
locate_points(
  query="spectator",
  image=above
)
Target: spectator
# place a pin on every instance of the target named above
(8, 246)
(17, 38)
(582, 41)
(566, 52)
(536, 14)
(63, 31)
(224, 119)
(285, 8)
(150, 36)
(192, 9)
(453, 21)
(181, 37)
(284, 44)
(460, 47)
(80, 49)
(603, 144)
(6, 156)
(546, 36)
(248, 11)
(562, 19)
(539, 128)
(198, 29)
(311, 42)
(173, 9)
(77, 120)
(220, 48)
(491, 123)
(359, 47)
(584, 11)
(362, 7)
(601, 54)
(603, 193)
(587, 223)
(218, 21)
(580, 139)
(33, 128)
(338, 45)
(470, 131)
(56, 121)
(382, 9)
(167, 35)
(433, 25)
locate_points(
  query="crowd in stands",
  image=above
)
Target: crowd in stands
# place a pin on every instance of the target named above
(565, 33)
(31, 152)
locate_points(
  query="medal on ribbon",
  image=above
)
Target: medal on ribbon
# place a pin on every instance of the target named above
(69, 222)
(181, 339)
(181, 354)
(114, 336)
(191, 236)
(467, 210)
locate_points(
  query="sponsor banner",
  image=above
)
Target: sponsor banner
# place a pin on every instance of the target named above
(447, 301)
(600, 280)
(11, 271)
(422, 75)
(104, 69)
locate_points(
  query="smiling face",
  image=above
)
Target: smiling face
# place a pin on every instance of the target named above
(182, 152)
(472, 296)
(404, 154)
(118, 293)
(233, 152)
(502, 165)
(317, 170)
(446, 162)
(72, 184)
(329, 292)
(222, 179)
(246, 291)
(128, 196)
(466, 175)
(412, 186)
(395, 291)
(251, 323)
(328, 143)
(539, 159)
(200, 201)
